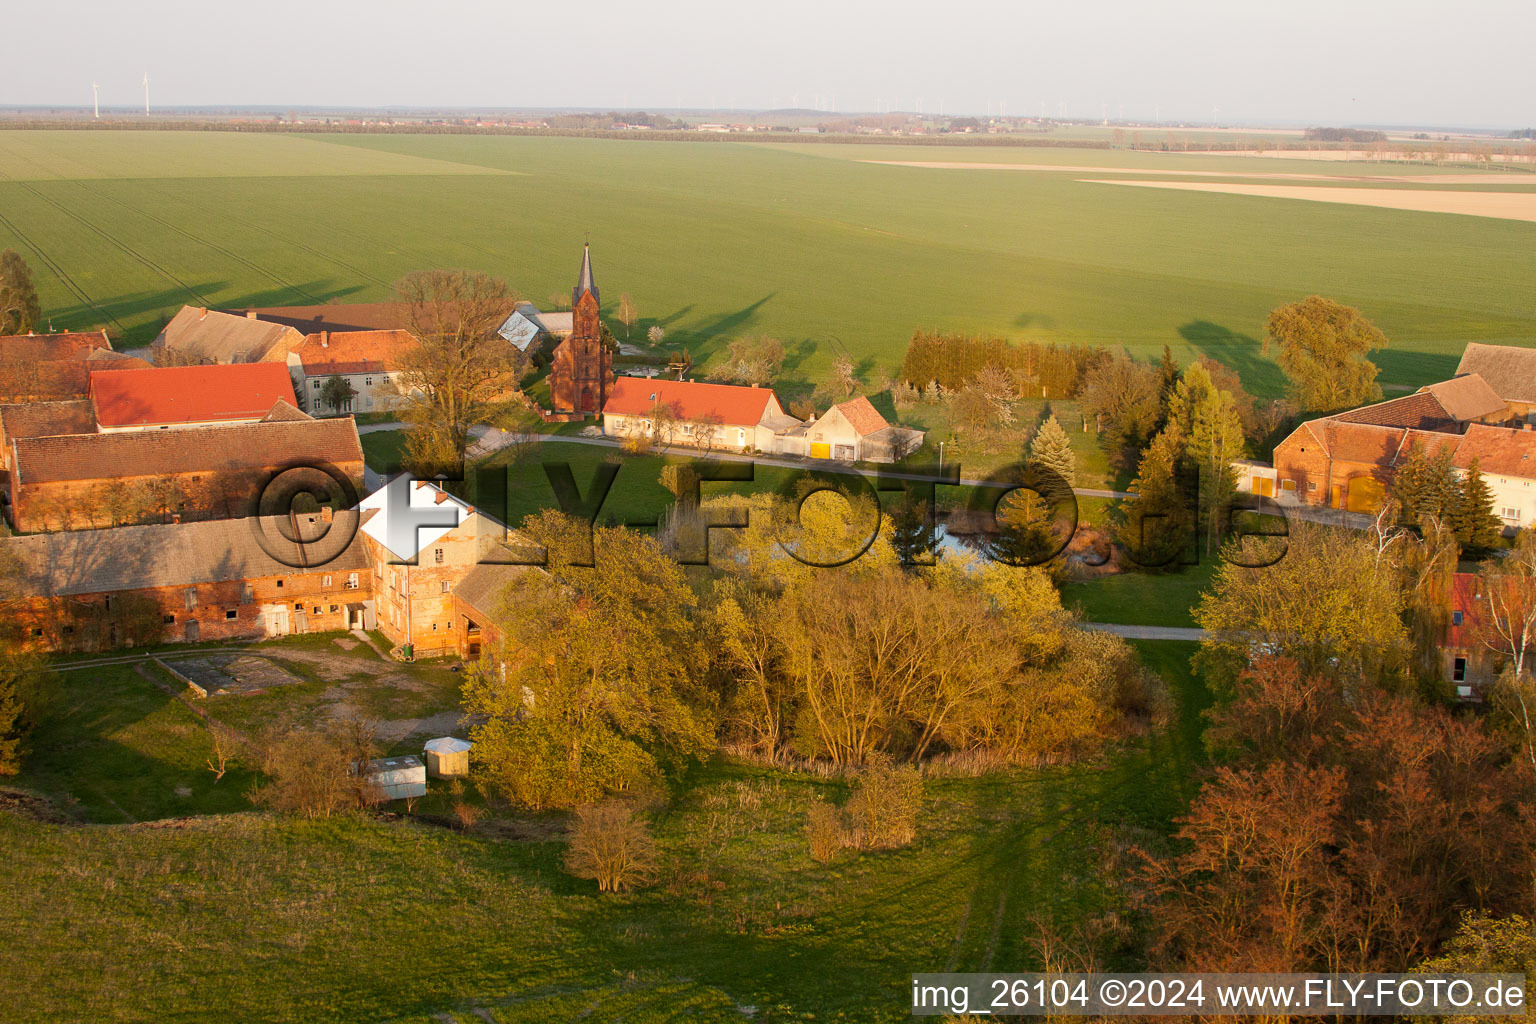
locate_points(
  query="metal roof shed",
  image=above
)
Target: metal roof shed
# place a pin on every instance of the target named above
(447, 757)
(397, 778)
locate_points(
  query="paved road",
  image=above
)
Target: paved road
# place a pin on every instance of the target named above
(1147, 632)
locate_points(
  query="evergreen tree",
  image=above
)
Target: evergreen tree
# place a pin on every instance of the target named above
(1167, 379)
(1052, 449)
(1474, 523)
(1157, 525)
(19, 308)
(909, 529)
(1216, 438)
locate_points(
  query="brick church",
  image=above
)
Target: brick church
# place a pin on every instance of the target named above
(581, 371)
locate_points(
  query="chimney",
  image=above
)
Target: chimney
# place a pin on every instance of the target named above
(326, 515)
(439, 497)
(325, 339)
(202, 312)
(250, 314)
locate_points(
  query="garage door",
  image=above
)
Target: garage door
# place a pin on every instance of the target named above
(1366, 494)
(821, 451)
(1263, 485)
(844, 452)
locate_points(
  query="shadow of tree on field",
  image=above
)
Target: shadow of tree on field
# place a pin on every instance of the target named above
(1041, 320)
(160, 305)
(1240, 352)
(1413, 368)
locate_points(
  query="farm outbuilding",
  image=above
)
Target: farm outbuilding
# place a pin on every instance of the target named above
(447, 757)
(397, 778)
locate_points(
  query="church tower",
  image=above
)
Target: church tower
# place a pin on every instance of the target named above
(581, 373)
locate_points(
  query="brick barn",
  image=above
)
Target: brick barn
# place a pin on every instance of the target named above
(89, 590)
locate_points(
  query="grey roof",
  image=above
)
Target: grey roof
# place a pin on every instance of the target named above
(1508, 369)
(210, 336)
(482, 588)
(1468, 397)
(181, 554)
(586, 282)
(46, 419)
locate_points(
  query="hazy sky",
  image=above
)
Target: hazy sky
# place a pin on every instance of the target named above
(1316, 61)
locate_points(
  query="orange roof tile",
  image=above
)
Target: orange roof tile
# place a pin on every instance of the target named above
(863, 417)
(690, 400)
(189, 394)
(1502, 451)
(354, 351)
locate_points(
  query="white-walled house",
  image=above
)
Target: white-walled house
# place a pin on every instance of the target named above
(724, 416)
(1506, 458)
(367, 360)
(854, 431)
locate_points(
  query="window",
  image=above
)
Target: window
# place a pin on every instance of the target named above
(1287, 485)
(445, 586)
(367, 382)
(37, 630)
(317, 609)
(298, 606)
(1456, 618)
(1458, 670)
(335, 608)
(1509, 513)
(279, 584)
(437, 555)
(351, 581)
(230, 614)
(315, 385)
(190, 596)
(169, 620)
(68, 630)
(1311, 485)
(107, 602)
(325, 581)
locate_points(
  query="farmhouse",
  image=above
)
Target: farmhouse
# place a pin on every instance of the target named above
(701, 415)
(581, 369)
(182, 582)
(478, 604)
(1509, 370)
(422, 543)
(199, 335)
(1346, 460)
(369, 362)
(854, 431)
(162, 397)
(81, 481)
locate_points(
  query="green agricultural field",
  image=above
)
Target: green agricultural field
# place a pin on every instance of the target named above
(374, 919)
(811, 243)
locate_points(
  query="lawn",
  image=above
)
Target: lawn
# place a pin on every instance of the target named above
(384, 920)
(812, 244)
(1142, 598)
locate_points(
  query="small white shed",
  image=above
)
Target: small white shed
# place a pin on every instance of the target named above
(447, 757)
(398, 777)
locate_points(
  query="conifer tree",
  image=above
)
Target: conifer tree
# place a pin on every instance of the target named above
(1475, 524)
(1052, 449)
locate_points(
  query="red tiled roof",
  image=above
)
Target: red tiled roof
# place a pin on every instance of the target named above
(189, 394)
(47, 419)
(37, 347)
(1502, 451)
(691, 400)
(224, 447)
(354, 351)
(1421, 410)
(864, 418)
(1465, 597)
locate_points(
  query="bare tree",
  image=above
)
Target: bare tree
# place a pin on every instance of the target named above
(842, 379)
(224, 746)
(627, 313)
(460, 364)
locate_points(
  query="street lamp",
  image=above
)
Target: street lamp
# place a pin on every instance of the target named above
(941, 456)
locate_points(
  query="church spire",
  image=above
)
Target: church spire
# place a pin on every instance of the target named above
(585, 283)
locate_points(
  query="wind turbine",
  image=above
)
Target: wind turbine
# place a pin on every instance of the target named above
(146, 94)
(95, 100)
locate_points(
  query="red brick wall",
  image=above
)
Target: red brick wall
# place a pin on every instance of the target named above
(581, 374)
(93, 622)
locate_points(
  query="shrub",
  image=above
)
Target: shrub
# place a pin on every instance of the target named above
(612, 845)
(310, 771)
(882, 812)
(824, 832)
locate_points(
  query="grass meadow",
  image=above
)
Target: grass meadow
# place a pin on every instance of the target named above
(811, 243)
(386, 919)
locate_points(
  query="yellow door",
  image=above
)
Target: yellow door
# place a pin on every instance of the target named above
(1366, 494)
(1333, 497)
(821, 451)
(1263, 485)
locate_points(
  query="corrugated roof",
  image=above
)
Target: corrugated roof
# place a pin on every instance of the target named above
(239, 446)
(189, 394)
(1508, 369)
(354, 351)
(690, 400)
(1468, 397)
(181, 554)
(211, 336)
